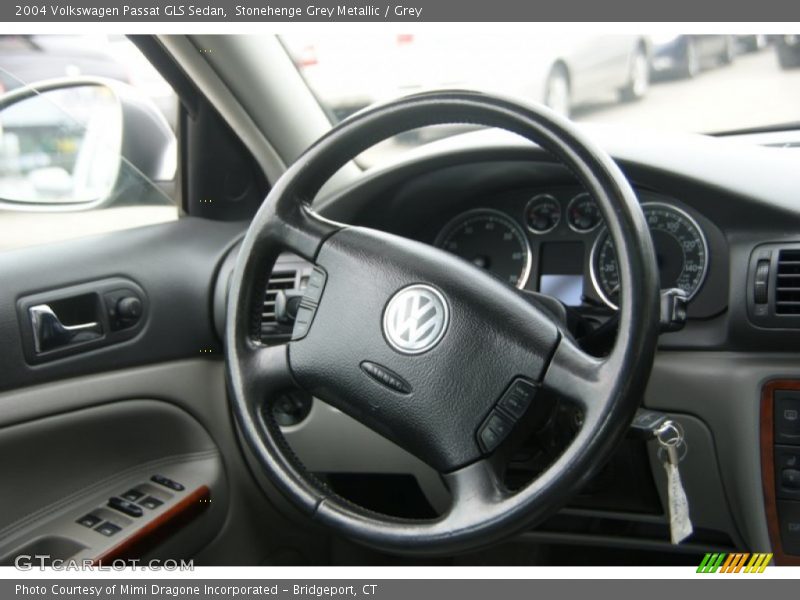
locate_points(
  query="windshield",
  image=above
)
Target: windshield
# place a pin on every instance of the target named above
(693, 83)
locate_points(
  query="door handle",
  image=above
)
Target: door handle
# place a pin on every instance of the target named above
(50, 333)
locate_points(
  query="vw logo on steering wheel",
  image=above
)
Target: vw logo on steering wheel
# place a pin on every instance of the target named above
(415, 319)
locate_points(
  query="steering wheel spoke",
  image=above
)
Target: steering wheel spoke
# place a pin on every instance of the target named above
(577, 376)
(266, 370)
(474, 488)
(298, 228)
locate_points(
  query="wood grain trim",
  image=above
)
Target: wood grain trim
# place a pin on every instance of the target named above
(767, 427)
(159, 529)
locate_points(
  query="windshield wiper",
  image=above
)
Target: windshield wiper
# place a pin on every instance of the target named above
(790, 126)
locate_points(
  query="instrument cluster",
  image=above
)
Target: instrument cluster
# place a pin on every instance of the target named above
(556, 242)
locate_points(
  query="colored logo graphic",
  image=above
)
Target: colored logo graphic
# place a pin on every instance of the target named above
(734, 563)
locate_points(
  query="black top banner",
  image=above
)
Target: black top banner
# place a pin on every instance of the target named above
(278, 11)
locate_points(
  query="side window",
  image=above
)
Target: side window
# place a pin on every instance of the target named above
(87, 139)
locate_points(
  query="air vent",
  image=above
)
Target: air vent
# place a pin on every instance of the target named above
(787, 283)
(271, 330)
(773, 286)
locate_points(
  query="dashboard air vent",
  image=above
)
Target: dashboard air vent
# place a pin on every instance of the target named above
(787, 283)
(271, 330)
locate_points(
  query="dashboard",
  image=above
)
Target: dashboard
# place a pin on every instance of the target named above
(551, 238)
(718, 212)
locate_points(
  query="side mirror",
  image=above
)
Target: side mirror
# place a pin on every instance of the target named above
(80, 143)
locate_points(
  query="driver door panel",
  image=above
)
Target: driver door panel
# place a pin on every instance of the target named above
(101, 421)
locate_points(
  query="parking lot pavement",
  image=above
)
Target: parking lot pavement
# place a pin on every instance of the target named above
(751, 92)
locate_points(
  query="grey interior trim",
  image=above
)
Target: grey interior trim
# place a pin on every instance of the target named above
(221, 98)
(58, 479)
(680, 383)
(276, 123)
(172, 381)
(253, 524)
(60, 523)
(287, 114)
(176, 325)
(329, 441)
(56, 456)
(708, 392)
(708, 505)
(723, 390)
(116, 482)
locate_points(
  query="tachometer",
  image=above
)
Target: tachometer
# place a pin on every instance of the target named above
(490, 240)
(681, 253)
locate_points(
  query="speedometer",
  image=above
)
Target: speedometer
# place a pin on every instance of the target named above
(489, 240)
(681, 253)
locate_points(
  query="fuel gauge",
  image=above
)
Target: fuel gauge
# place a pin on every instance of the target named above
(543, 213)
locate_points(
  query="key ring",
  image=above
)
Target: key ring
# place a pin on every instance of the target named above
(667, 427)
(670, 435)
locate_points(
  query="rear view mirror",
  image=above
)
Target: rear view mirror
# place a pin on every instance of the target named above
(69, 144)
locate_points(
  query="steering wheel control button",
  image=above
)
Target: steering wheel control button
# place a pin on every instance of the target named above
(517, 398)
(124, 506)
(386, 377)
(151, 503)
(89, 520)
(108, 529)
(415, 319)
(494, 430)
(167, 482)
(302, 322)
(787, 417)
(315, 285)
(309, 303)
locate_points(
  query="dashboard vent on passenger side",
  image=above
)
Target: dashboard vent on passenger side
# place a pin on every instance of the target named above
(787, 283)
(271, 330)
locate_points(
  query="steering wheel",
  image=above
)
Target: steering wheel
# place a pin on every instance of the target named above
(428, 350)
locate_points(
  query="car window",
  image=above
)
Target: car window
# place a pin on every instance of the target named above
(679, 82)
(70, 161)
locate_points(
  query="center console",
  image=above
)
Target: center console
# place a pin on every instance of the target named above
(780, 465)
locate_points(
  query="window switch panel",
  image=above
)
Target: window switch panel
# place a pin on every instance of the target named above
(167, 483)
(151, 503)
(132, 495)
(89, 520)
(108, 529)
(122, 505)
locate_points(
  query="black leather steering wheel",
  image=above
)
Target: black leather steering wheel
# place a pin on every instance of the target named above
(428, 350)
